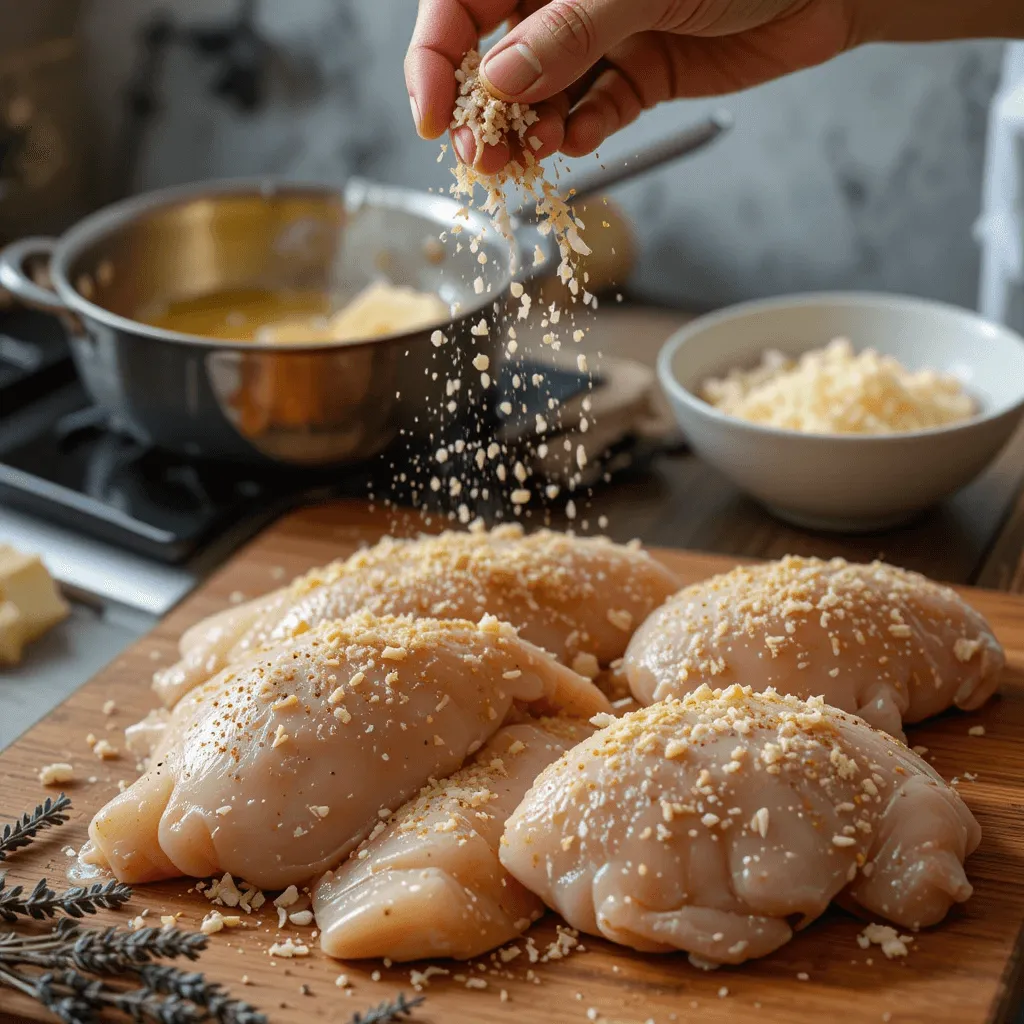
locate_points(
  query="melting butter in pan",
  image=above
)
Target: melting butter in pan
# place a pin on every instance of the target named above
(377, 311)
(290, 317)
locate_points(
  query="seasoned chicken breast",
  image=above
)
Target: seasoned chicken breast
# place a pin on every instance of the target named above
(428, 882)
(232, 634)
(883, 643)
(213, 633)
(716, 823)
(572, 596)
(281, 765)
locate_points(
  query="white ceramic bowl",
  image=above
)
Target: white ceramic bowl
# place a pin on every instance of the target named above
(840, 481)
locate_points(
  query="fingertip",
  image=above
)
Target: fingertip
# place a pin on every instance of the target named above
(549, 132)
(585, 130)
(489, 159)
(492, 159)
(430, 127)
(417, 116)
(431, 88)
(464, 145)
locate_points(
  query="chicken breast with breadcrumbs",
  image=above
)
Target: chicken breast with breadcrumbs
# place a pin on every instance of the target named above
(428, 882)
(280, 766)
(886, 644)
(718, 823)
(579, 598)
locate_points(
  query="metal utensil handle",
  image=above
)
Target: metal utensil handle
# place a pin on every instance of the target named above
(692, 139)
(14, 279)
(686, 142)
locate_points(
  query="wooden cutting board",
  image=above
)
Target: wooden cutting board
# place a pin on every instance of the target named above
(967, 970)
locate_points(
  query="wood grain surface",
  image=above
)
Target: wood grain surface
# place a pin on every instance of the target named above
(966, 970)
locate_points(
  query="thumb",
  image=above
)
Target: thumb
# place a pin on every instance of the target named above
(557, 44)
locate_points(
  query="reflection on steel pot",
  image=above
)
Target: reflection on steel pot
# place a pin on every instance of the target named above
(297, 404)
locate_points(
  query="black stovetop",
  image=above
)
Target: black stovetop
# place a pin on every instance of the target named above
(59, 461)
(34, 358)
(70, 469)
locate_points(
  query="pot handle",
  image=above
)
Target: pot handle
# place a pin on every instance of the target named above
(683, 143)
(14, 279)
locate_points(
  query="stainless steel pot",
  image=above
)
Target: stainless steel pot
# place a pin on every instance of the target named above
(304, 405)
(310, 404)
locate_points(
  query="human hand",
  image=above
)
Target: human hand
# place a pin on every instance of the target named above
(590, 67)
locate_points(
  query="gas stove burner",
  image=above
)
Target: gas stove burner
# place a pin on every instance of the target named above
(79, 474)
(127, 477)
(34, 358)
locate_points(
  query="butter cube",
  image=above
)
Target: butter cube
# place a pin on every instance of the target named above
(11, 633)
(37, 604)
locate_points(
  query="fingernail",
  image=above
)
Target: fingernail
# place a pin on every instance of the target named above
(512, 70)
(465, 146)
(417, 119)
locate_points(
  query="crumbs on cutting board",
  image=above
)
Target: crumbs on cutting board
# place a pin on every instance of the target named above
(57, 774)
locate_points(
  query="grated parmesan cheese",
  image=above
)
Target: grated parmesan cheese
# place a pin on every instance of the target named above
(834, 390)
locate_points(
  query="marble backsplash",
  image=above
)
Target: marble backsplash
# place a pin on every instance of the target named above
(865, 173)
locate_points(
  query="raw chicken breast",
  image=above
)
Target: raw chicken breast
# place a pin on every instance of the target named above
(711, 824)
(886, 644)
(230, 635)
(142, 738)
(579, 598)
(281, 765)
(428, 883)
(213, 632)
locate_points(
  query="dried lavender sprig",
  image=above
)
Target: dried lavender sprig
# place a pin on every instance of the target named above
(69, 1007)
(106, 951)
(166, 995)
(24, 830)
(48, 950)
(64, 930)
(94, 996)
(400, 1008)
(42, 902)
(209, 995)
(113, 952)
(66, 1008)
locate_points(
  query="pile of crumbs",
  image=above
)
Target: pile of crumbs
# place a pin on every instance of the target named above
(215, 922)
(226, 893)
(57, 774)
(293, 908)
(565, 943)
(887, 938)
(288, 949)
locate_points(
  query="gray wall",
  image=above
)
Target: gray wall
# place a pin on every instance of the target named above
(864, 173)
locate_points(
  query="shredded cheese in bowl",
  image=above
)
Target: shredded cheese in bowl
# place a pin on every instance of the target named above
(834, 390)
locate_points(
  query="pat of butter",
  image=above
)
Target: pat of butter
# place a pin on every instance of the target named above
(10, 633)
(30, 602)
(380, 309)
